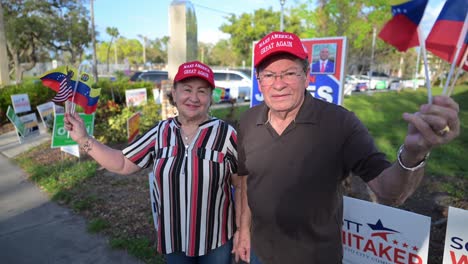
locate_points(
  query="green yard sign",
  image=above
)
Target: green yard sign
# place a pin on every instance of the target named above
(60, 136)
(217, 95)
(15, 120)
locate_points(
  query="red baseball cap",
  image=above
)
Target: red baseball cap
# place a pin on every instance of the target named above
(278, 42)
(195, 69)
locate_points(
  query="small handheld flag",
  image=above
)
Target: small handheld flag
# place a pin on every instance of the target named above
(443, 38)
(401, 30)
(65, 89)
(80, 87)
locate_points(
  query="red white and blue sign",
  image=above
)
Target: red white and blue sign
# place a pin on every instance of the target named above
(456, 237)
(326, 83)
(374, 233)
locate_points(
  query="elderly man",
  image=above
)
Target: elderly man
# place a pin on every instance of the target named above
(295, 151)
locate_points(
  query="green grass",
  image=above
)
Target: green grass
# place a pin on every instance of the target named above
(84, 204)
(138, 247)
(57, 178)
(382, 114)
(223, 113)
(97, 225)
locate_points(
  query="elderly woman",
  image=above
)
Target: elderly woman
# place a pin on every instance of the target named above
(194, 159)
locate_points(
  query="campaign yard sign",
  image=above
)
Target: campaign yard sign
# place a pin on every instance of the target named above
(326, 82)
(153, 194)
(456, 237)
(31, 126)
(19, 126)
(374, 233)
(157, 96)
(46, 111)
(135, 97)
(21, 103)
(61, 137)
(72, 150)
(133, 126)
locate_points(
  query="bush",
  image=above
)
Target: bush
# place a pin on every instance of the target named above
(115, 90)
(111, 113)
(38, 94)
(111, 120)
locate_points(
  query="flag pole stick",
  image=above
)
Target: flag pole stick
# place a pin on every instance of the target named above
(426, 67)
(461, 38)
(459, 71)
(418, 59)
(75, 88)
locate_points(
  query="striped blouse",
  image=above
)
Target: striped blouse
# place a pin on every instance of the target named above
(193, 191)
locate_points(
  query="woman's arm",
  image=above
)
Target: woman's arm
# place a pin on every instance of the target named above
(111, 159)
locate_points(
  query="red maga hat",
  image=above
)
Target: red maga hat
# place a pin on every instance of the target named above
(195, 69)
(278, 42)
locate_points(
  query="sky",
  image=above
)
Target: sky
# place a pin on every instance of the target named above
(150, 17)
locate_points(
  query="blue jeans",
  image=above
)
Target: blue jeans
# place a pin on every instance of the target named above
(221, 255)
(253, 258)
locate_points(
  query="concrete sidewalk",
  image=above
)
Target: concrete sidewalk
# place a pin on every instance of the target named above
(35, 230)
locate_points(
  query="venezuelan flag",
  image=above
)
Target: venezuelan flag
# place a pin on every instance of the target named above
(443, 38)
(53, 78)
(401, 30)
(85, 96)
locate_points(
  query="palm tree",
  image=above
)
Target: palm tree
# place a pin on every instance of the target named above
(93, 38)
(114, 33)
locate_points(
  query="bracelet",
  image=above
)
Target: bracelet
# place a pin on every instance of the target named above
(88, 145)
(420, 165)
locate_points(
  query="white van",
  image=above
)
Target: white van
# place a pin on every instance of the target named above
(239, 84)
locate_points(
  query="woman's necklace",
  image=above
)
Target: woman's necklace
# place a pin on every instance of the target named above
(187, 137)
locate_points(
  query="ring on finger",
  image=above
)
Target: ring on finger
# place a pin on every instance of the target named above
(444, 130)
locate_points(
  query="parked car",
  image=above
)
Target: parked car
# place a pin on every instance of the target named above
(360, 84)
(157, 76)
(238, 83)
(153, 76)
(381, 80)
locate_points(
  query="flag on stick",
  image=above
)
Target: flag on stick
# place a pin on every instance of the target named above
(448, 28)
(401, 30)
(65, 89)
(84, 96)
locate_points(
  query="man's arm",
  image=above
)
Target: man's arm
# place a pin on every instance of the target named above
(436, 124)
(395, 184)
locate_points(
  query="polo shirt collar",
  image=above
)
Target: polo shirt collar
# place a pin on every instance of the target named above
(307, 114)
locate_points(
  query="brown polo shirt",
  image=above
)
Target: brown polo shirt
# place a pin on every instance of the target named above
(294, 184)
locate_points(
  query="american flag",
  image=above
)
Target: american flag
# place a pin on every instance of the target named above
(65, 90)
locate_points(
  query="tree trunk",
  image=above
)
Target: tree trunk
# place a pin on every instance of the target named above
(4, 71)
(108, 51)
(18, 70)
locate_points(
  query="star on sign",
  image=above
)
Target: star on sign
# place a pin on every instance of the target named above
(381, 231)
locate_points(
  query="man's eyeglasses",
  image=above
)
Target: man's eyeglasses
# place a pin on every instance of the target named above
(287, 77)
